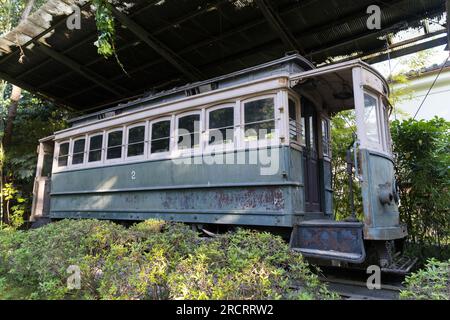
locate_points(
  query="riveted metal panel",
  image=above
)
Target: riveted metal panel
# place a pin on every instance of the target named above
(382, 221)
(196, 192)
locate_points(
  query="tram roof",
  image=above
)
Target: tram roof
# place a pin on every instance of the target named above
(166, 43)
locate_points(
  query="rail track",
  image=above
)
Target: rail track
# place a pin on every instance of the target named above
(351, 285)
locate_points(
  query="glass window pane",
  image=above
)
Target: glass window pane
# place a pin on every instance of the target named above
(293, 124)
(78, 151)
(64, 149)
(95, 156)
(78, 146)
(257, 131)
(160, 141)
(115, 138)
(188, 132)
(95, 148)
(388, 133)
(114, 145)
(136, 134)
(259, 110)
(63, 154)
(96, 142)
(259, 119)
(325, 137)
(161, 130)
(47, 165)
(221, 125)
(136, 138)
(136, 149)
(311, 135)
(371, 118)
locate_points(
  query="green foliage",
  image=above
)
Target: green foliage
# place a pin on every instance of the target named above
(430, 283)
(422, 152)
(151, 260)
(16, 211)
(11, 11)
(105, 23)
(343, 127)
(244, 265)
(35, 119)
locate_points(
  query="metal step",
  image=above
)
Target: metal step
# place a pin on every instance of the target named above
(329, 240)
(401, 265)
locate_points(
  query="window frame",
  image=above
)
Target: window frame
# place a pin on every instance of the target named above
(300, 141)
(122, 158)
(259, 142)
(91, 135)
(224, 146)
(57, 149)
(386, 127)
(190, 151)
(326, 148)
(160, 155)
(127, 138)
(71, 151)
(372, 144)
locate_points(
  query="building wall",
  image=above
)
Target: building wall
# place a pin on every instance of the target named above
(437, 102)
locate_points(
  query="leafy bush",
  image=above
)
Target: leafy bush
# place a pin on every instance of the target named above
(422, 151)
(152, 260)
(430, 283)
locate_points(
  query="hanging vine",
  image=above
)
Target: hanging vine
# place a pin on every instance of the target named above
(106, 29)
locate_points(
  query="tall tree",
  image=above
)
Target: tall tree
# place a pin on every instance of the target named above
(16, 93)
(14, 98)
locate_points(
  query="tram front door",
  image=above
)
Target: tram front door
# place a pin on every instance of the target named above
(310, 157)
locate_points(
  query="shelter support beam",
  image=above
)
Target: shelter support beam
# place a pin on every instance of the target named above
(278, 26)
(75, 66)
(183, 66)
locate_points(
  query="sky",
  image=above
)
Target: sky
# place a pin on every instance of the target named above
(437, 55)
(436, 104)
(398, 65)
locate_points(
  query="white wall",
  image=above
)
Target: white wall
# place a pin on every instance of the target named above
(437, 102)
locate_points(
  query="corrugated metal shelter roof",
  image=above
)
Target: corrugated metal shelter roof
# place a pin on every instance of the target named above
(168, 43)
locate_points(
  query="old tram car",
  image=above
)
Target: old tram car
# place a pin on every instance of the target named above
(251, 148)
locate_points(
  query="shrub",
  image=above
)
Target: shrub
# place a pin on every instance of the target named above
(39, 258)
(422, 152)
(430, 283)
(245, 265)
(152, 260)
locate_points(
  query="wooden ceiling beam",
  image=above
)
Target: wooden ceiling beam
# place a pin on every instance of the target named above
(278, 26)
(192, 73)
(86, 73)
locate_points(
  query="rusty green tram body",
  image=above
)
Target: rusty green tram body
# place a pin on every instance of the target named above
(251, 148)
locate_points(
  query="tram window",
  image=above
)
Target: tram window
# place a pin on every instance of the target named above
(326, 137)
(371, 118)
(221, 125)
(63, 155)
(114, 150)
(136, 137)
(387, 132)
(160, 141)
(294, 125)
(311, 133)
(188, 131)
(95, 148)
(78, 151)
(259, 119)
